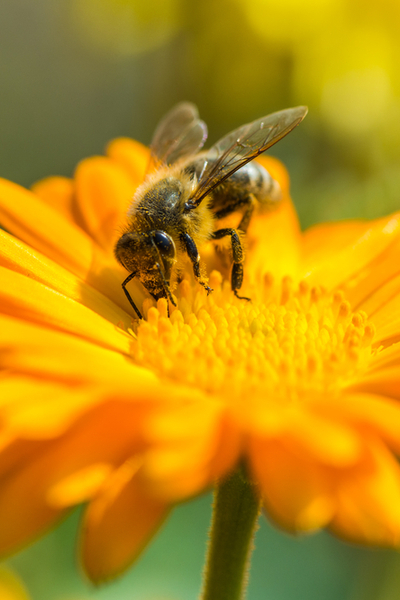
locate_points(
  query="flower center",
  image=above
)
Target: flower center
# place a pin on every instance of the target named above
(286, 342)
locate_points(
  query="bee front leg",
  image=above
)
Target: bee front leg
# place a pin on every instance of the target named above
(238, 258)
(165, 284)
(127, 294)
(194, 256)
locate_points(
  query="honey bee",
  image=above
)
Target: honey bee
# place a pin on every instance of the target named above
(187, 191)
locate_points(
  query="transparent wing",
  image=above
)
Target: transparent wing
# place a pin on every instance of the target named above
(241, 146)
(180, 133)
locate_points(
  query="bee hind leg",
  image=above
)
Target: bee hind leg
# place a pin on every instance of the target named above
(238, 258)
(193, 254)
(243, 202)
(248, 213)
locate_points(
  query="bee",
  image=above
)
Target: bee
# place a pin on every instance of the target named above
(187, 191)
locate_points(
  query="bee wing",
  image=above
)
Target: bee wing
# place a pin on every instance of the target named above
(241, 146)
(180, 133)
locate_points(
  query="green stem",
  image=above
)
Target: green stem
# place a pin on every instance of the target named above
(236, 508)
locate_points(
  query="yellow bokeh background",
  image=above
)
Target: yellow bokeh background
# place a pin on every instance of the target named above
(76, 73)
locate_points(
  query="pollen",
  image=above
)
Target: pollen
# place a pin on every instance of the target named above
(289, 342)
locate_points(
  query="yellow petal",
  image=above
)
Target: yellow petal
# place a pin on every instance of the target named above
(131, 155)
(41, 226)
(101, 292)
(352, 257)
(296, 491)
(382, 382)
(386, 358)
(57, 192)
(109, 433)
(178, 462)
(32, 350)
(29, 300)
(309, 431)
(47, 231)
(20, 520)
(118, 524)
(369, 412)
(322, 241)
(273, 242)
(15, 451)
(383, 306)
(228, 447)
(368, 500)
(36, 409)
(104, 191)
(378, 283)
(329, 440)
(80, 486)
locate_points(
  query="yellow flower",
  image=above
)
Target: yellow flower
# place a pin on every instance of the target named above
(302, 382)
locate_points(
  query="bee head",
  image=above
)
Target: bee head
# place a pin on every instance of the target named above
(151, 255)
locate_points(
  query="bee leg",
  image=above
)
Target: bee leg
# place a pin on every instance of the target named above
(194, 256)
(165, 285)
(245, 222)
(127, 294)
(238, 258)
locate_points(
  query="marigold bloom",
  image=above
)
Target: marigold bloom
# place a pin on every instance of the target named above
(303, 381)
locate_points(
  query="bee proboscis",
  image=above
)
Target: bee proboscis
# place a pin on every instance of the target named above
(187, 191)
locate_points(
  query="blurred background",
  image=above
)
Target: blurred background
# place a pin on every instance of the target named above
(76, 73)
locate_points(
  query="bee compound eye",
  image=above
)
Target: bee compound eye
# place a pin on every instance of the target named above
(127, 249)
(164, 243)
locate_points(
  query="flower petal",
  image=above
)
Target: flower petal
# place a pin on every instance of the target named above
(387, 357)
(368, 500)
(79, 486)
(131, 155)
(21, 520)
(378, 283)
(32, 301)
(322, 241)
(41, 226)
(353, 255)
(382, 382)
(54, 463)
(101, 292)
(383, 308)
(330, 440)
(118, 523)
(273, 242)
(58, 192)
(307, 429)
(36, 409)
(181, 462)
(296, 491)
(104, 191)
(372, 413)
(32, 350)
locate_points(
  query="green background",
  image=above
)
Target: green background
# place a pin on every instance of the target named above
(76, 73)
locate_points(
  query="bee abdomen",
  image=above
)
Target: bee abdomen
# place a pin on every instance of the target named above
(251, 181)
(254, 179)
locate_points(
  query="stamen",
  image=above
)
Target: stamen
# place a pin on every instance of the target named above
(287, 341)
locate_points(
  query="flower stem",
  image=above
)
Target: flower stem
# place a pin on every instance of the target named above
(236, 508)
